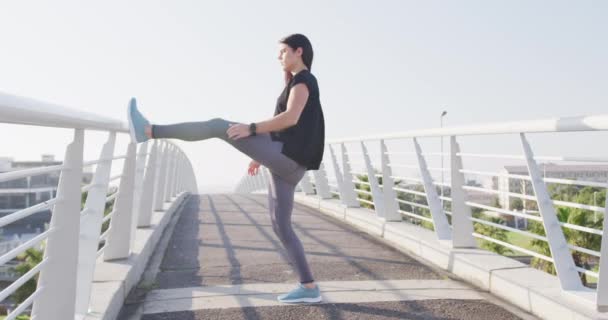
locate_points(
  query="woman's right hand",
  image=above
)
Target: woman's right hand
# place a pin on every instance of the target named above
(253, 168)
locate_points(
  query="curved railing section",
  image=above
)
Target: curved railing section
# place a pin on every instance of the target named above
(155, 173)
(407, 184)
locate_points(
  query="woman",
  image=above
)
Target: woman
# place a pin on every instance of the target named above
(288, 144)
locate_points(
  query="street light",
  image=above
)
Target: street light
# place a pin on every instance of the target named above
(441, 126)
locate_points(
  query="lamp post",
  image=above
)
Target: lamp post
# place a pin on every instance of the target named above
(441, 126)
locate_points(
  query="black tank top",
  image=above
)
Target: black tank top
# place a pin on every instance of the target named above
(305, 141)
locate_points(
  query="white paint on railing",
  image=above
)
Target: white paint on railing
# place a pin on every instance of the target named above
(66, 273)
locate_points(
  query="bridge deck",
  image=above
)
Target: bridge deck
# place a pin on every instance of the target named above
(220, 259)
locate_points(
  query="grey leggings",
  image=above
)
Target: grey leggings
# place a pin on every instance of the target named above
(285, 172)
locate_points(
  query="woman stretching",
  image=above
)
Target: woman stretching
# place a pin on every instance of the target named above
(288, 144)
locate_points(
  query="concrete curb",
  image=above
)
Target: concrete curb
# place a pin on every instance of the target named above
(114, 279)
(530, 289)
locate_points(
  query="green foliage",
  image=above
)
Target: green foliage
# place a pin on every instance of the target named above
(492, 232)
(32, 257)
(580, 217)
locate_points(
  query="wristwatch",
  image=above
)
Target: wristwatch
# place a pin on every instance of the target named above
(252, 129)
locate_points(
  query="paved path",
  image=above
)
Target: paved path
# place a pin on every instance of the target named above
(220, 259)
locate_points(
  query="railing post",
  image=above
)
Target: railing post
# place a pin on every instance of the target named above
(378, 198)
(181, 173)
(90, 226)
(176, 174)
(602, 281)
(339, 176)
(194, 188)
(349, 185)
(144, 215)
(56, 280)
(140, 167)
(162, 179)
(321, 182)
(306, 185)
(118, 243)
(440, 221)
(391, 206)
(462, 226)
(169, 172)
(562, 258)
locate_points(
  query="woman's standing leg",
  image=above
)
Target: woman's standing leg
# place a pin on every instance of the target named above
(281, 195)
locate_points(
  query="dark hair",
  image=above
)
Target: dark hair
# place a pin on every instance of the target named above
(296, 41)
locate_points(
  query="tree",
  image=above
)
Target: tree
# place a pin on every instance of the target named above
(29, 259)
(493, 232)
(32, 257)
(574, 237)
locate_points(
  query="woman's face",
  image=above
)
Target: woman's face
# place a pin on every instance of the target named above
(288, 57)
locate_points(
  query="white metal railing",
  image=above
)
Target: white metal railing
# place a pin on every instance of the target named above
(154, 175)
(428, 204)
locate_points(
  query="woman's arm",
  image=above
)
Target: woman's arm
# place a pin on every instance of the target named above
(298, 95)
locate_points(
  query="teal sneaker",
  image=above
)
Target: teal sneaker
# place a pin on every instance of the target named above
(301, 294)
(137, 123)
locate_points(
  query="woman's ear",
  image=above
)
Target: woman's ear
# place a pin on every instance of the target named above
(299, 51)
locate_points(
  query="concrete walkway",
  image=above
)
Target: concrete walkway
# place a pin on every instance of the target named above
(220, 259)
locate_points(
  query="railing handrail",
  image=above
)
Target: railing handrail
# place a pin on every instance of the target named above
(563, 124)
(21, 110)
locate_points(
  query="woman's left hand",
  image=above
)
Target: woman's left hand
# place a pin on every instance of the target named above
(238, 130)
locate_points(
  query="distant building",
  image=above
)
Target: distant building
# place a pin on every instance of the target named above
(595, 173)
(22, 193)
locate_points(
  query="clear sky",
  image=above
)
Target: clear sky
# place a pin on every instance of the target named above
(382, 66)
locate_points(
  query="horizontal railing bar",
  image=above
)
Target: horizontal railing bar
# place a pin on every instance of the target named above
(410, 191)
(413, 204)
(445, 198)
(509, 212)
(500, 226)
(21, 110)
(104, 235)
(23, 279)
(100, 251)
(588, 272)
(546, 158)
(24, 305)
(13, 175)
(510, 246)
(363, 200)
(17, 215)
(92, 162)
(416, 216)
(363, 191)
(563, 124)
(397, 165)
(494, 191)
(107, 217)
(407, 179)
(5, 258)
(551, 180)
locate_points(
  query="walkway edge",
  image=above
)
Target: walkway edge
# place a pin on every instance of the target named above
(532, 290)
(114, 279)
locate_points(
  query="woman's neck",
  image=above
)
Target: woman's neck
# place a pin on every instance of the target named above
(298, 69)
